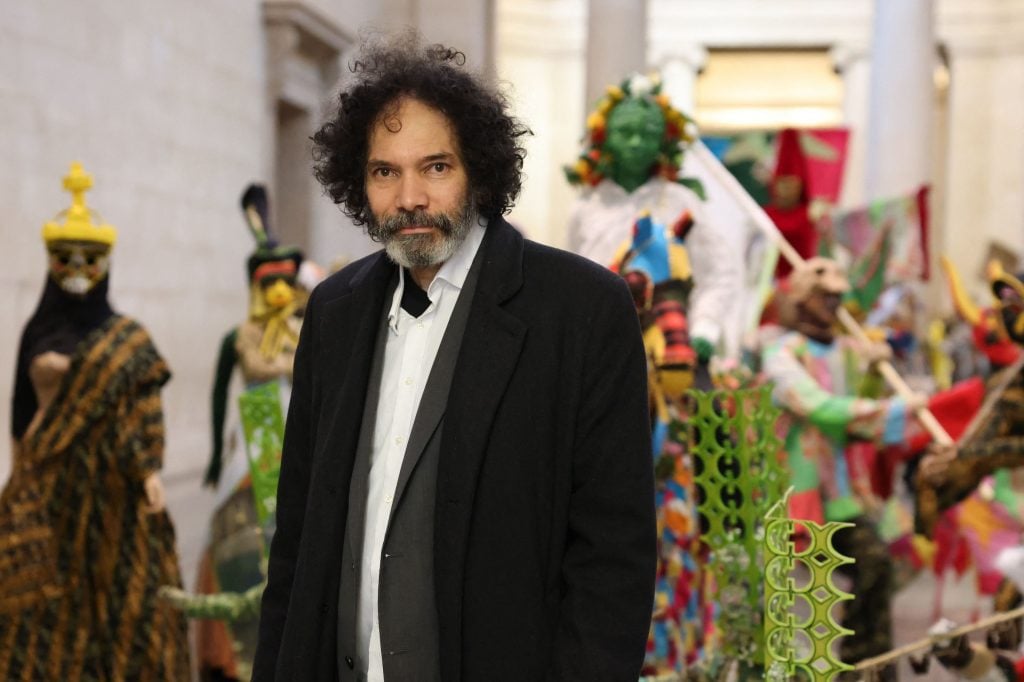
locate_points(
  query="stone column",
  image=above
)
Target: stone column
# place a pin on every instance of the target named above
(680, 68)
(851, 61)
(985, 162)
(616, 43)
(541, 62)
(899, 132)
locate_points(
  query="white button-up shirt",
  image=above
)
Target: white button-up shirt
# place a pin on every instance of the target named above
(412, 345)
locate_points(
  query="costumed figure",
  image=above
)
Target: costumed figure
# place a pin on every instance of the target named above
(978, 485)
(656, 267)
(968, 660)
(85, 542)
(262, 348)
(790, 207)
(816, 376)
(630, 164)
(988, 330)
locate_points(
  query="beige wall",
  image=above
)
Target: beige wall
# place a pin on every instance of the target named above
(161, 103)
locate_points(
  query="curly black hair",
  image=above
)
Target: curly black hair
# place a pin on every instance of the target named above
(488, 136)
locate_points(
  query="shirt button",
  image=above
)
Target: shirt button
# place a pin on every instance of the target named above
(387, 499)
(408, 381)
(399, 440)
(420, 325)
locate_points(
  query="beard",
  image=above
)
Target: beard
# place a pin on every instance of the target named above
(422, 250)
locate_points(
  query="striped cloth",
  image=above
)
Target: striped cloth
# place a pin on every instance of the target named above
(80, 559)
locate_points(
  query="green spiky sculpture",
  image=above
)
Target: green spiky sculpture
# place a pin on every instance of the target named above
(800, 630)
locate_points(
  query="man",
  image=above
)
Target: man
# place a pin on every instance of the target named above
(466, 489)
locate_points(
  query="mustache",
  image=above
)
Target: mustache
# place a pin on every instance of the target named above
(388, 226)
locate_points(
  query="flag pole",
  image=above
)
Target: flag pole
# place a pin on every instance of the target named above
(768, 228)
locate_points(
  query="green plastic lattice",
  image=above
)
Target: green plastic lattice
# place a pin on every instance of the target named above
(800, 630)
(732, 435)
(263, 425)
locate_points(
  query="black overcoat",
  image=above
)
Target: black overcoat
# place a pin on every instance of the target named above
(544, 529)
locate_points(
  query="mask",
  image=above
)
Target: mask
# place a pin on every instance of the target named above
(78, 266)
(279, 293)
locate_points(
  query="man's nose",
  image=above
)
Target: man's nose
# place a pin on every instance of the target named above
(412, 193)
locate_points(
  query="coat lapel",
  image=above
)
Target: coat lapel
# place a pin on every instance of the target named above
(434, 401)
(490, 351)
(349, 328)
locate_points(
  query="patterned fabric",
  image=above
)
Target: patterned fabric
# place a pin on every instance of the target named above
(816, 384)
(997, 442)
(80, 559)
(871, 574)
(678, 629)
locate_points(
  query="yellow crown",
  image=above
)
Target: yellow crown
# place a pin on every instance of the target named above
(78, 222)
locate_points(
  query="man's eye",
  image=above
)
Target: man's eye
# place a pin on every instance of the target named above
(382, 172)
(439, 167)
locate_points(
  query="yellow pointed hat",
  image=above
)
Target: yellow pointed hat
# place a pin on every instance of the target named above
(78, 220)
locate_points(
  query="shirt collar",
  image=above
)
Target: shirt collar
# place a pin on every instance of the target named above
(453, 272)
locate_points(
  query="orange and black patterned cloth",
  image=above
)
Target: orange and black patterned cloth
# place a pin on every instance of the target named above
(80, 559)
(996, 442)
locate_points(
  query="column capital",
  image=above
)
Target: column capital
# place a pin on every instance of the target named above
(693, 55)
(846, 54)
(980, 27)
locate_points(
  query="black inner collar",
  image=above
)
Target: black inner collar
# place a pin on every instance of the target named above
(414, 299)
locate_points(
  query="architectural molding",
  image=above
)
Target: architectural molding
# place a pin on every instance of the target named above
(981, 27)
(693, 55)
(844, 55)
(757, 24)
(317, 35)
(303, 51)
(548, 27)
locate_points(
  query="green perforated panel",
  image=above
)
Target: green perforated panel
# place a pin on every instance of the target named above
(800, 629)
(732, 436)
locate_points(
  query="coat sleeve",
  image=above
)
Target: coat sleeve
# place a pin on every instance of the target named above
(608, 569)
(292, 489)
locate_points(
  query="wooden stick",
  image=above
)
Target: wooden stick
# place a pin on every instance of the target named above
(767, 226)
(995, 393)
(927, 642)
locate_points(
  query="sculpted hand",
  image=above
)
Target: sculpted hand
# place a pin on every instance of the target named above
(917, 401)
(936, 462)
(878, 352)
(155, 498)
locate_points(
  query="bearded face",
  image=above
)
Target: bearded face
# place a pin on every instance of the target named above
(78, 266)
(422, 248)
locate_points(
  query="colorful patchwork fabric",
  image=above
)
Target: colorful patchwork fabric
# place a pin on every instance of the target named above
(817, 385)
(678, 628)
